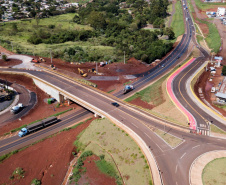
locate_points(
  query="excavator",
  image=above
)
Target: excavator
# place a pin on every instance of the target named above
(92, 70)
(81, 72)
(41, 59)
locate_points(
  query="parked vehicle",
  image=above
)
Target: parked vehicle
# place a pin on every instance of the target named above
(37, 126)
(34, 61)
(128, 88)
(17, 108)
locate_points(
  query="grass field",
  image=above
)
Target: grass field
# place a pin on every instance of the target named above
(168, 138)
(205, 6)
(62, 22)
(102, 137)
(216, 129)
(214, 172)
(177, 21)
(213, 39)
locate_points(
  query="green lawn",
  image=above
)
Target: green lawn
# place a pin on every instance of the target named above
(102, 137)
(178, 22)
(204, 6)
(61, 22)
(214, 172)
(216, 129)
(213, 39)
(168, 138)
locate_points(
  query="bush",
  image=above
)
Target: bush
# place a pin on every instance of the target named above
(36, 182)
(4, 57)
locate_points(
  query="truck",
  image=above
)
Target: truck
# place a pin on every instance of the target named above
(37, 126)
(17, 108)
(128, 88)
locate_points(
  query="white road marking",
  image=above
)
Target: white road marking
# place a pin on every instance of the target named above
(183, 155)
(159, 147)
(134, 124)
(195, 146)
(122, 117)
(176, 183)
(147, 135)
(176, 169)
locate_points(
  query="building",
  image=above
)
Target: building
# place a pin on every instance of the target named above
(220, 11)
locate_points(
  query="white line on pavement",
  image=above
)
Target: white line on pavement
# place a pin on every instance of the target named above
(195, 146)
(122, 117)
(159, 147)
(176, 169)
(134, 124)
(183, 155)
(147, 135)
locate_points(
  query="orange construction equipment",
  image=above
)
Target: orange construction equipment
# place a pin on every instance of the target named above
(35, 61)
(41, 59)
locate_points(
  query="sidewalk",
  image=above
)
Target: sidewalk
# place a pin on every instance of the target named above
(195, 174)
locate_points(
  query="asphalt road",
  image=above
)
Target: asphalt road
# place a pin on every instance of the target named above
(174, 164)
(15, 142)
(28, 99)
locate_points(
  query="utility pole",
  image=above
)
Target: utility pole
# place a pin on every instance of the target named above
(124, 58)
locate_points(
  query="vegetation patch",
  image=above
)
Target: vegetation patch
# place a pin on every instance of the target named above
(173, 141)
(108, 169)
(214, 172)
(216, 129)
(178, 21)
(213, 39)
(17, 174)
(204, 6)
(104, 138)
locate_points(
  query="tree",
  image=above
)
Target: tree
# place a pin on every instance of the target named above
(169, 32)
(4, 57)
(97, 21)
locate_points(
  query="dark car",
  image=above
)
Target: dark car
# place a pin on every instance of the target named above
(115, 104)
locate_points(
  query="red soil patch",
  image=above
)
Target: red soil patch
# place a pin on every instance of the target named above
(47, 161)
(141, 103)
(41, 109)
(93, 176)
(9, 62)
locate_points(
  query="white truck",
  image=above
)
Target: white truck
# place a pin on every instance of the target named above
(128, 88)
(17, 108)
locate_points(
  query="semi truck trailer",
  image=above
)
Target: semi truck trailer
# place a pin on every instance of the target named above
(37, 126)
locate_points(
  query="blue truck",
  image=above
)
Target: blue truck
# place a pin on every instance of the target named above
(37, 126)
(128, 88)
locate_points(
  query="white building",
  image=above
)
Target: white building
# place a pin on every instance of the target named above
(220, 11)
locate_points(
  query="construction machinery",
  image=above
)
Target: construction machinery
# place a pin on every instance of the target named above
(53, 66)
(34, 61)
(81, 72)
(41, 59)
(93, 70)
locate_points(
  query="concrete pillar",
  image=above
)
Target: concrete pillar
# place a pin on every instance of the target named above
(61, 97)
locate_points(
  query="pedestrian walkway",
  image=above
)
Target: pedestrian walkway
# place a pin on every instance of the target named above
(199, 164)
(170, 92)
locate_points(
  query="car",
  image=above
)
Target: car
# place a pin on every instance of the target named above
(163, 65)
(115, 104)
(178, 57)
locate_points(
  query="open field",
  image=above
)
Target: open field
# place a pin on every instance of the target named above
(168, 138)
(178, 22)
(16, 41)
(104, 138)
(204, 6)
(214, 172)
(213, 38)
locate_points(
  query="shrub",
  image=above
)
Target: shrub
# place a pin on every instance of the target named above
(4, 57)
(36, 182)
(224, 70)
